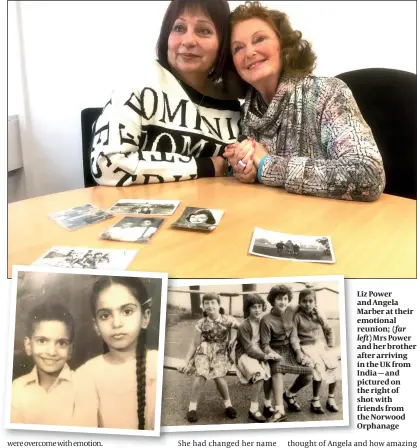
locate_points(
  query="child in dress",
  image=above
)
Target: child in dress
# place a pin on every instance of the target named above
(208, 354)
(251, 362)
(46, 395)
(307, 341)
(276, 328)
(119, 387)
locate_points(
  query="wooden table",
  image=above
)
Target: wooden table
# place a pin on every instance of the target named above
(370, 240)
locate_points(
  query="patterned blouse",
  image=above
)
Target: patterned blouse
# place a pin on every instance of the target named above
(216, 331)
(318, 141)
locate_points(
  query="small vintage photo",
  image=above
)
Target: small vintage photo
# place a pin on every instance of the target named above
(86, 351)
(86, 258)
(81, 216)
(255, 353)
(197, 218)
(136, 230)
(144, 207)
(267, 243)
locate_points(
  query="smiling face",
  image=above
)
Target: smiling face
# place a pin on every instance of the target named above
(201, 218)
(307, 303)
(256, 52)
(211, 307)
(281, 303)
(49, 346)
(192, 44)
(118, 318)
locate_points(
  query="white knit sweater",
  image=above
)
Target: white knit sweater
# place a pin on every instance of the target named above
(162, 131)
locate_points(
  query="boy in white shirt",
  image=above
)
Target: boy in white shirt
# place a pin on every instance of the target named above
(46, 395)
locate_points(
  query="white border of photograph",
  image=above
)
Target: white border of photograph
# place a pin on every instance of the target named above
(175, 203)
(343, 352)
(161, 346)
(262, 233)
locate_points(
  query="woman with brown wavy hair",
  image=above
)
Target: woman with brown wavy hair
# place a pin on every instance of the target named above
(300, 132)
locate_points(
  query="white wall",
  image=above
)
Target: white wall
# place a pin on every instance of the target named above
(75, 52)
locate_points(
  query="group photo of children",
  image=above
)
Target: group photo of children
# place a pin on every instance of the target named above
(255, 353)
(86, 351)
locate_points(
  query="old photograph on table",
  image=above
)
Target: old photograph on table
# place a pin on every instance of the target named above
(267, 243)
(144, 207)
(133, 229)
(255, 353)
(86, 351)
(80, 216)
(198, 218)
(86, 258)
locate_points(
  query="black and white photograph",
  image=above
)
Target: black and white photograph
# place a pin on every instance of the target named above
(198, 218)
(132, 229)
(316, 249)
(80, 216)
(86, 258)
(255, 353)
(144, 207)
(86, 351)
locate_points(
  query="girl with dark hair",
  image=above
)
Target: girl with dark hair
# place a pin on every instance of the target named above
(176, 122)
(119, 387)
(306, 340)
(304, 133)
(251, 362)
(202, 219)
(276, 328)
(208, 355)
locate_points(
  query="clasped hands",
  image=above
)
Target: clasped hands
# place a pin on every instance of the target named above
(244, 157)
(272, 357)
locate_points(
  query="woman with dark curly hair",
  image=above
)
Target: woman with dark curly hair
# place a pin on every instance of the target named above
(276, 328)
(303, 133)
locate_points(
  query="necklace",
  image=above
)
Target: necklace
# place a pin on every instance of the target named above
(199, 104)
(188, 89)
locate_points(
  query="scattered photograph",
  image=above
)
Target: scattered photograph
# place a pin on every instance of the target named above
(267, 243)
(136, 230)
(86, 351)
(255, 354)
(197, 218)
(144, 207)
(81, 216)
(86, 258)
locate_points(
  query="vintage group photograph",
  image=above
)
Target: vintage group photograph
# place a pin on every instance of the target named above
(245, 354)
(133, 229)
(80, 216)
(86, 258)
(270, 244)
(144, 207)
